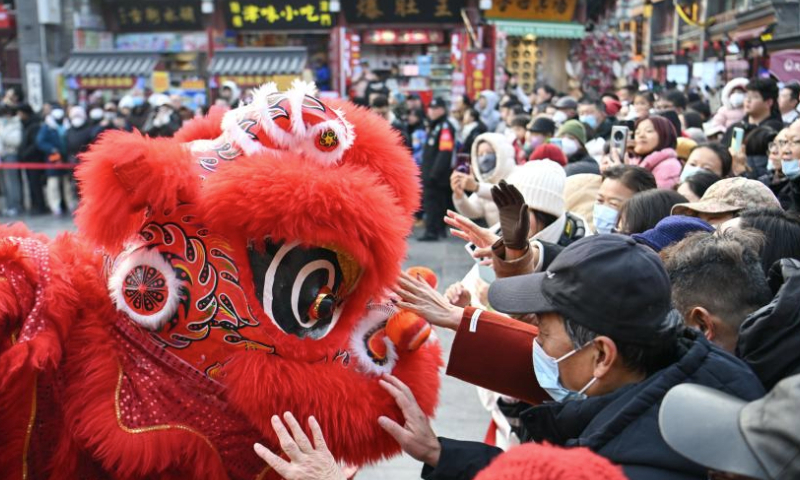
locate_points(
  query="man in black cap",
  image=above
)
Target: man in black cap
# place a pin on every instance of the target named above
(607, 349)
(736, 440)
(437, 165)
(540, 131)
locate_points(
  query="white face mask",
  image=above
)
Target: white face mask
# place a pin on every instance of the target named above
(58, 114)
(96, 113)
(77, 122)
(736, 99)
(569, 146)
(559, 117)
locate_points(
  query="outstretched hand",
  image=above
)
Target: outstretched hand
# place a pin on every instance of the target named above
(415, 436)
(465, 229)
(420, 298)
(307, 461)
(515, 222)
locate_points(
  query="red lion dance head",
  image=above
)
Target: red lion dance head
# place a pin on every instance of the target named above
(244, 271)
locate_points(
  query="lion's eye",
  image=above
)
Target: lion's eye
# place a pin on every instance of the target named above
(301, 289)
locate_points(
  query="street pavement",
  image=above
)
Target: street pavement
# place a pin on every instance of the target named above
(459, 415)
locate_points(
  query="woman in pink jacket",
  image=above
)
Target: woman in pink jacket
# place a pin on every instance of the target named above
(654, 149)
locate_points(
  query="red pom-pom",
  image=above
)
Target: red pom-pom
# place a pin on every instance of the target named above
(425, 273)
(407, 330)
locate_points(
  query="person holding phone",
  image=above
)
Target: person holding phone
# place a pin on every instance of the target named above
(491, 160)
(654, 145)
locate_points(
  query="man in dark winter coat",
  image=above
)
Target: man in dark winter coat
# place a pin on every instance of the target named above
(607, 348)
(29, 153)
(769, 339)
(437, 165)
(761, 108)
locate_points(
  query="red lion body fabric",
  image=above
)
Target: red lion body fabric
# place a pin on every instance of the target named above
(236, 271)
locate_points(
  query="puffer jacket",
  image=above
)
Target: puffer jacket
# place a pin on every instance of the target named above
(480, 203)
(728, 115)
(664, 165)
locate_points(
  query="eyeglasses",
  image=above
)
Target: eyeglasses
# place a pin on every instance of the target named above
(777, 145)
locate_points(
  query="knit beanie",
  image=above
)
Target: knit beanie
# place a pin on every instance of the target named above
(541, 184)
(543, 125)
(671, 230)
(574, 128)
(548, 151)
(533, 461)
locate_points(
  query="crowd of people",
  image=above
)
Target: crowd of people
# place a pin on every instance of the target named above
(635, 294)
(52, 140)
(636, 289)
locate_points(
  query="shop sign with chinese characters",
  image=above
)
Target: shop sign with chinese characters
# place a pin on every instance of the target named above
(111, 83)
(150, 16)
(479, 72)
(403, 37)
(402, 11)
(551, 10)
(278, 14)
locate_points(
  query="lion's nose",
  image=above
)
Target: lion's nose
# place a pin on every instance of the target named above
(323, 305)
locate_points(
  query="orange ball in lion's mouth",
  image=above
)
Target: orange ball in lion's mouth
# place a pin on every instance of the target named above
(407, 330)
(424, 273)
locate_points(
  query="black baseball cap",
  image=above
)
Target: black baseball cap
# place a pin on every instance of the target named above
(760, 439)
(543, 125)
(609, 284)
(437, 103)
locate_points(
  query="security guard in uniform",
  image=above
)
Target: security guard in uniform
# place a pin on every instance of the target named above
(437, 164)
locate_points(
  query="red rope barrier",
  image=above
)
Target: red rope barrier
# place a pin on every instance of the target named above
(37, 166)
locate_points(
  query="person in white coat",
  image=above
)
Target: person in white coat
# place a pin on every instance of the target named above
(491, 160)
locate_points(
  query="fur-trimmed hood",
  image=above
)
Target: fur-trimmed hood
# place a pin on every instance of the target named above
(505, 157)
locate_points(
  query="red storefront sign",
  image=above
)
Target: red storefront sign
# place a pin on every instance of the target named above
(785, 65)
(479, 73)
(110, 83)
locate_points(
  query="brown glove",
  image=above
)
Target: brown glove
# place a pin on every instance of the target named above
(515, 221)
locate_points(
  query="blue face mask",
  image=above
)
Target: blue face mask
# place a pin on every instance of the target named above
(487, 162)
(605, 218)
(589, 120)
(688, 171)
(545, 368)
(790, 168)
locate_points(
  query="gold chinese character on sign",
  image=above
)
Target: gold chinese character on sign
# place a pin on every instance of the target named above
(187, 14)
(152, 15)
(324, 6)
(122, 14)
(325, 19)
(135, 15)
(269, 14)
(288, 13)
(250, 13)
(369, 9)
(406, 7)
(442, 9)
(170, 16)
(310, 13)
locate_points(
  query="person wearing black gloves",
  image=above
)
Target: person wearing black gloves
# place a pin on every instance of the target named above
(437, 161)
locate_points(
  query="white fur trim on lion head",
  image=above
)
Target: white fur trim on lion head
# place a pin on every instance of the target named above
(294, 120)
(143, 285)
(375, 319)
